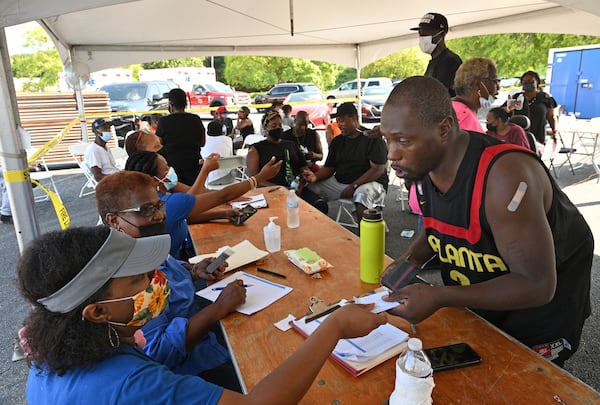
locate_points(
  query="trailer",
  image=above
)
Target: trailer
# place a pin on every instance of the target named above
(573, 79)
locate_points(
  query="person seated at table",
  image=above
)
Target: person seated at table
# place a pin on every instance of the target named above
(143, 140)
(307, 139)
(498, 127)
(294, 164)
(180, 337)
(88, 304)
(511, 245)
(190, 207)
(355, 167)
(219, 143)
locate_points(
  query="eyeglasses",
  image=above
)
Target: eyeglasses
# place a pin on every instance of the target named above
(147, 210)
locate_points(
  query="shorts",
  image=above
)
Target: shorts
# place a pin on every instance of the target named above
(371, 195)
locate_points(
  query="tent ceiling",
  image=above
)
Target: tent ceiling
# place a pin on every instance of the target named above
(105, 33)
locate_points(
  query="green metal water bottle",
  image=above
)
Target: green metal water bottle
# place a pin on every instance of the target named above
(372, 246)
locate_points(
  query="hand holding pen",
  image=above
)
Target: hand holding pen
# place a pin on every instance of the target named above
(231, 297)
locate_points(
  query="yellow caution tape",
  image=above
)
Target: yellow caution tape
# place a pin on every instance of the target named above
(61, 212)
(16, 176)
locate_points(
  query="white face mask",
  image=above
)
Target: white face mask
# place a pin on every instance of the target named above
(426, 43)
(106, 136)
(485, 104)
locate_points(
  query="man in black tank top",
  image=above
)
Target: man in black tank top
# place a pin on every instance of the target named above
(511, 245)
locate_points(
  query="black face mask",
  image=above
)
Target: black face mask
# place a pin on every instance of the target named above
(276, 133)
(528, 86)
(157, 228)
(491, 128)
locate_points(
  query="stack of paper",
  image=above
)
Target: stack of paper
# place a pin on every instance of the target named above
(257, 201)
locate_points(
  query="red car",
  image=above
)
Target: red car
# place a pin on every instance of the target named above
(318, 113)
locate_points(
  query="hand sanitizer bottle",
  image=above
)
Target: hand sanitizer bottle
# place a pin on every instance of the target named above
(272, 234)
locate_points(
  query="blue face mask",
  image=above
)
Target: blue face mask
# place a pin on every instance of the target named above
(171, 179)
(106, 136)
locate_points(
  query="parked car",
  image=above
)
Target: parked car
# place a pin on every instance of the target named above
(372, 102)
(203, 94)
(350, 89)
(239, 97)
(137, 96)
(281, 91)
(318, 113)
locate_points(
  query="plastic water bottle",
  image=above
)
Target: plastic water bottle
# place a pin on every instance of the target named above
(293, 210)
(272, 233)
(414, 361)
(372, 246)
(414, 377)
(519, 102)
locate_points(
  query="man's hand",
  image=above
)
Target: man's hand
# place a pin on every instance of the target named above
(348, 192)
(269, 170)
(416, 302)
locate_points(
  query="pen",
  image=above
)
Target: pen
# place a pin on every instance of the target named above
(261, 270)
(274, 189)
(222, 288)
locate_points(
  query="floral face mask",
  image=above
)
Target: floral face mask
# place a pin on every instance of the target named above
(148, 303)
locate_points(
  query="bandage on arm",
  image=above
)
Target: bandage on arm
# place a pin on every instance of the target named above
(517, 197)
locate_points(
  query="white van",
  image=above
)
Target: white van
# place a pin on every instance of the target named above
(349, 89)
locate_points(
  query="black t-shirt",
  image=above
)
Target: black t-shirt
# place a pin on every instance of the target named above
(183, 136)
(248, 130)
(309, 139)
(289, 152)
(352, 157)
(443, 67)
(536, 109)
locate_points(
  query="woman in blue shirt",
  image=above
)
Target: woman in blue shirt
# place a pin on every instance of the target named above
(88, 304)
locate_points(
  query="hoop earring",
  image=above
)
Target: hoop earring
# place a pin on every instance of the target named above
(111, 332)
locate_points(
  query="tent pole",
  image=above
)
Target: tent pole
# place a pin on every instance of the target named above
(80, 104)
(13, 156)
(358, 84)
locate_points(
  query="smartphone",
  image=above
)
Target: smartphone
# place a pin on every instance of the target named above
(219, 260)
(452, 356)
(247, 212)
(402, 274)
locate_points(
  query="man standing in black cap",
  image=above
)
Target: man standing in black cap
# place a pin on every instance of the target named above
(96, 158)
(444, 63)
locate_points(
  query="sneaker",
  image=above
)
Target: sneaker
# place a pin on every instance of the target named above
(6, 219)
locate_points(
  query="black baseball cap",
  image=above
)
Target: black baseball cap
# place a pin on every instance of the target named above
(345, 109)
(433, 20)
(100, 122)
(215, 128)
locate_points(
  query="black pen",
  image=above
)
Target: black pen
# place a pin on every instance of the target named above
(274, 189)
(261, 270)
(222, 288)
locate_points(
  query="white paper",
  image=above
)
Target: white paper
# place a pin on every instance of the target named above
(243, 254)
(375, 343)
(260, 295)
(377, 299)
(284, 324)
(257, 201)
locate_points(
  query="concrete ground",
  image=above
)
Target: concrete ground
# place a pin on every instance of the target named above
(582, 188)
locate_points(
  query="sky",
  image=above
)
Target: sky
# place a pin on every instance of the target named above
(14, 37)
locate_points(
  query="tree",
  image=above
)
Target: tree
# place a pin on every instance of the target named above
(42, 67)
(408, 62)
(172, 63)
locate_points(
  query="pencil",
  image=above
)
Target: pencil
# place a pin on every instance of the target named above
(261, 270)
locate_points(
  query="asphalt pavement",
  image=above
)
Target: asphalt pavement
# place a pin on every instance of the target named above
(582, 188)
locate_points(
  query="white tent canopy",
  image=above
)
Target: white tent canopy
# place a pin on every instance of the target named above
(98, 34)
(110, 33)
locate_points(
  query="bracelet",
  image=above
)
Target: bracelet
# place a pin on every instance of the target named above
(253, 182)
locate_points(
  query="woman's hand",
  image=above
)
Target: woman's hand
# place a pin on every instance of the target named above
(232, 296)
(269, 170)
(211, 162)
(354, 320)
(199, 269)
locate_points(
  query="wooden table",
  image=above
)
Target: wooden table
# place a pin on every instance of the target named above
(510, 373)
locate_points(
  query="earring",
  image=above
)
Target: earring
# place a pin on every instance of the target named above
(111, 332)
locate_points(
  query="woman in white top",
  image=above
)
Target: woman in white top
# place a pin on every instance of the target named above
(217, 142)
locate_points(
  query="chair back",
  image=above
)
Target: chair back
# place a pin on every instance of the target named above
(119, 156)
(524, 122)
(252, 139)
(77, 151)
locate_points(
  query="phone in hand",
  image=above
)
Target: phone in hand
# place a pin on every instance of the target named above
(219, 260)
(452, 356)
(247, 212)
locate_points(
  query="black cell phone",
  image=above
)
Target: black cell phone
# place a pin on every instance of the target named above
(219, 260)
(452, 356)
(400, 275)
(247, 212)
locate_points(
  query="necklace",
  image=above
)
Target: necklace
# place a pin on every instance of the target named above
(300, 143)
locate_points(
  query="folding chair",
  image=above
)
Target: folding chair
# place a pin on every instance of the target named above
(78, 152)
(44, 176)
(248, 141)
(345, 210)
(237, 172)
(119, 156)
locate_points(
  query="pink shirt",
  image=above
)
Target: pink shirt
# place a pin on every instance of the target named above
(467, 119)
(515, 135)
